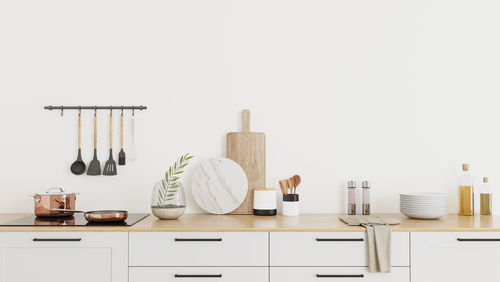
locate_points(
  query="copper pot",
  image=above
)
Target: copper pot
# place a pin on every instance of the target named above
(54, 198)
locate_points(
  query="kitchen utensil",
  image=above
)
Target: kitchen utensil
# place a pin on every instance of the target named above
(95, 165)
(110, 166)
(54, 198)
(78, 167)
(219, 186)
(100, 216)
(248, 149)
(296, 181)
(291, 185)
(283, 186)
(121, 155)
(132, 150)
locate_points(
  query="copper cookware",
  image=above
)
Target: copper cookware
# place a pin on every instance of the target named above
(100, 216)
(54, 198)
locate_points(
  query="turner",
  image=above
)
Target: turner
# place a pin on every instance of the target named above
(110, 166)
(121, 155)
(95, 165)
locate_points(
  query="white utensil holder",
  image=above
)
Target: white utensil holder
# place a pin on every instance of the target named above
(291, 205)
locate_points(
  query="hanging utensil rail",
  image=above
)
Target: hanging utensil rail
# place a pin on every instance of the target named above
(94, 108)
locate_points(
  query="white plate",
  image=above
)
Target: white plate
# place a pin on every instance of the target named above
(219, 185)
(424, 211)
(423, 194)
(420, 215)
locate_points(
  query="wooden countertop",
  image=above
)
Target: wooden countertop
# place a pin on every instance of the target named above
(250, 223)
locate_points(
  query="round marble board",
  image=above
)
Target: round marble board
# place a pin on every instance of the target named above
(219, 185)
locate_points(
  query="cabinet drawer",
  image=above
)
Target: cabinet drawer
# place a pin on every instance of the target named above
(455, 256)
(331, 249)
(198, 249)
(52, 256)
(192, 274)
(351, 274)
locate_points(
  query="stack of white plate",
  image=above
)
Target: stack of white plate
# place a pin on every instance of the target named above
(424, 205)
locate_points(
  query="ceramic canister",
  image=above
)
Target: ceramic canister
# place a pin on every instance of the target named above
(291, 205)
(264, 201)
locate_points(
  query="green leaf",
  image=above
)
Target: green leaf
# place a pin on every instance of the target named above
(178, 172)
(170, 195)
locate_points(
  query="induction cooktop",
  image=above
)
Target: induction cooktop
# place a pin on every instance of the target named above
(75, 220)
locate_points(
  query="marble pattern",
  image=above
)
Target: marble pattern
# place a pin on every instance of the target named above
(219, 185)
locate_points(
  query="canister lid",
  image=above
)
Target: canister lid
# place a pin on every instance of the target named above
(291, 197)
(366, 184)
(351, 184)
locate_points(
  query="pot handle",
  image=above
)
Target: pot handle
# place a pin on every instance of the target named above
(51, 189)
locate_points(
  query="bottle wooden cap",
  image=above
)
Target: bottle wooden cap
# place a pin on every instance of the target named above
(485, 179)
(465, 167)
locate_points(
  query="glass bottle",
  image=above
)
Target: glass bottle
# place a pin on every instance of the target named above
(485, 197)
(465, 192)
(351, 191)
(366, 197)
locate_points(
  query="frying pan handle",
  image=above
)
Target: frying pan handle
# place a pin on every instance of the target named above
(66, 210)
(245, 120)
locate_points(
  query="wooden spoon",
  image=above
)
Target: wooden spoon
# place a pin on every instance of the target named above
(296, 181)
(291, 185)
(283, 185)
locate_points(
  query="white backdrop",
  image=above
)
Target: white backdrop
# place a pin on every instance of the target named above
(399, 92)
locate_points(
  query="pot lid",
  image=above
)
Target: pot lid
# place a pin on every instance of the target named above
(54, 191)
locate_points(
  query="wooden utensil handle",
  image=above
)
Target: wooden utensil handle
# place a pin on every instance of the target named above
(110, 131)
(95, 131)
(245, 120)
(79, 131)
(121, 131)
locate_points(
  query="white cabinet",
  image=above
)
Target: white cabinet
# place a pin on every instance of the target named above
(351, 274)
(199, 249)
(197, 274)
(63, 256)
(451, 256)
(331, 249)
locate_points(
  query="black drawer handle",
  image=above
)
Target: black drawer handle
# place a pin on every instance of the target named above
(478, 240)
(198, 240)
(340, 275)
(340, 240)
(198, 276)
(57, 239)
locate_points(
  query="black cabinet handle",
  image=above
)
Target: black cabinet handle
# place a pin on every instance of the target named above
(340, 240)
(340, 275)
(478, 240)
(57, 239)
(198, 276)
(198, 240)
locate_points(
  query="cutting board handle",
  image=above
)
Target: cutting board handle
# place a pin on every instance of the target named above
(245, 120)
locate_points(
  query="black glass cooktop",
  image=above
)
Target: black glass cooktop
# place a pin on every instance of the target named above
(75, 220)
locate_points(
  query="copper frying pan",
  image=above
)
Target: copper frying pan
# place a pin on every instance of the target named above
(100, 216)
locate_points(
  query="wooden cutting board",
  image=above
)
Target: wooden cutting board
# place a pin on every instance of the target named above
(248, 149)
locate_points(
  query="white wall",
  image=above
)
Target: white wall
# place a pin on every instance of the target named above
(396, 91)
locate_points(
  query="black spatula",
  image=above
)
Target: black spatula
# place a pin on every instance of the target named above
(121, 155)
(110, 166)
(95, 165)
(78, 167)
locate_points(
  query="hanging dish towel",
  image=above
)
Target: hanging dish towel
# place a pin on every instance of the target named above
(378, 234)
